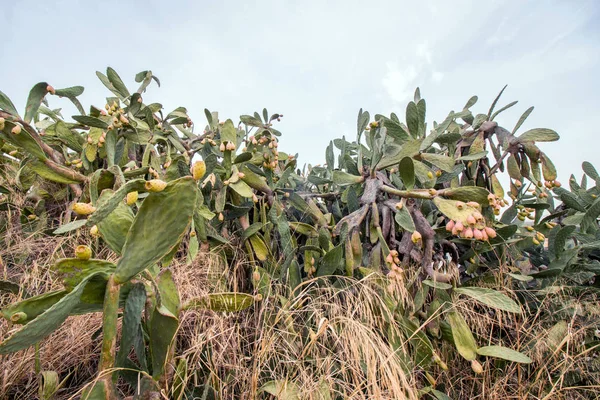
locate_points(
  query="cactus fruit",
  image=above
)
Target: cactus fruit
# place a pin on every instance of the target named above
(16, 129)
(155, 185)
(198, 170)
(83, 252)
(131, 198)
(450, 226)
(416, 237)
(83, 208)
(50, 89)
(476, 367)
(94, 231)
(491, 232)
(1, 123)
(256, 276)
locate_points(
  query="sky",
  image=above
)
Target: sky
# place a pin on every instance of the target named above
(319, 62)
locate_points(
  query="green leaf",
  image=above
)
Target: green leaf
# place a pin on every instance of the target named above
(407, 172)
(117, 83)
(163, 323)
(468, 193)
(36, 95)
(109, 205)
(363, 121)
(504, 353)
(491, 110)
(23, 140)
(90, 121)
(343, 178)
(158, 227)
(71, 226)
(72, 91)
(26, 310)
(472, 157)
(491, 298)
(412, 119)
(404, 219)
(73, 271)
(463, 338)
(506, 107)
(48, 173)
(228, 132)
(221, 302)
(131, 330)
(331, 261)
(589, 222)
(329, 156)
(45, 323)
(439, 160)
(522, 119)
(242, 188)
(590, 171)
(539, 135)
(260, 248)
(7, 105)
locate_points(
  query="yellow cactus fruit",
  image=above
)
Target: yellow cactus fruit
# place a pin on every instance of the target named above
(476, 367)
(2, 123)
(221, 217)
(535, 241)
(155, 185)
(258, 297)
(430, 175)
(131, 198)
(94, 231)
(50, 89)
(399, 205)
(193, 233)
(198, 170)
(432, 192)
(416, 237)
(32, 217)
(83, 208)
(438, 173)
(16, 129)
(83, 252)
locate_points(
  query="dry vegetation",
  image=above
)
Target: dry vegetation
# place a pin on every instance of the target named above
(328, 342)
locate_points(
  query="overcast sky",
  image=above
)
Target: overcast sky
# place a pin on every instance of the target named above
(318, 62)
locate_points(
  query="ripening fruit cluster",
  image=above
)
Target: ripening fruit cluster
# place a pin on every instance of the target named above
(552, 184)
(393, 262)
(118, 114)
(101, 139)
(310, 269)
(539, 237)
(473, 228)
(267, 145)
(496, 203)
(525, 213)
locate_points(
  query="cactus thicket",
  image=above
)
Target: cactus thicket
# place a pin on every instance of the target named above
(420, 205)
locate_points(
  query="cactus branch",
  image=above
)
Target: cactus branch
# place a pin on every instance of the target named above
(109, 325)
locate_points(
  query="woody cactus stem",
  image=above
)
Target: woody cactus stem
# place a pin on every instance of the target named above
(109, 325)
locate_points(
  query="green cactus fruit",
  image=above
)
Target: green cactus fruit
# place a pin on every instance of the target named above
(83, 252)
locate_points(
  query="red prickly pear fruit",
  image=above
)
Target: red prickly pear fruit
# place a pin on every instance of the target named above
(468, 233)
(459, 226)
(477, 234)
(491, 232)
(471, 220)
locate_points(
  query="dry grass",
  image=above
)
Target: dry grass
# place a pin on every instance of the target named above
(326, 343)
